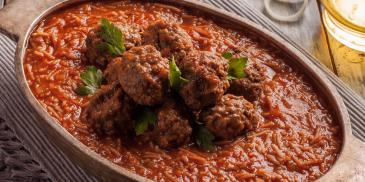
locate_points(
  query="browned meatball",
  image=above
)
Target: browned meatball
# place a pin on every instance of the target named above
(143, 75)
(172, 127)
(207, 73)
(131, 34)
(170, 39)
(230, 117)
(110, 111)
(251, 86)
(111, 71)
(132, 37)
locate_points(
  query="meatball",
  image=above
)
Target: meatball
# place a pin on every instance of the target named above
(131, 34)
(172, 127)
(230, 117)
(170, 39)
(251, 86)
(132, 37)
(207, 75)
(143, 75)
(111, 71)
(110, 111)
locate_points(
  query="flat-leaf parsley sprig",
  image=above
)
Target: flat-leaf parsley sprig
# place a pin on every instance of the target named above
(236, 66)
(175, 78)
(113, 39)
(147, 118)
(203, 137)
(91, 78)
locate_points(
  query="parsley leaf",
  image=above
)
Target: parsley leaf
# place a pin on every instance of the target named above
(92, 78)
(84, 90)
(175, 78)
(146, 118)
(204, 138)
(227, 55)
(236, 66)
(112, 37)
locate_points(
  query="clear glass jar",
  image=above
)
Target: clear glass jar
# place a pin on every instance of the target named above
(345, 21)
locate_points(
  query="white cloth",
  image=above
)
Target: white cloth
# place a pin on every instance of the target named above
(289, 18)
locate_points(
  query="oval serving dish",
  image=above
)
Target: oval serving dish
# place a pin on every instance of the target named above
(20, 26)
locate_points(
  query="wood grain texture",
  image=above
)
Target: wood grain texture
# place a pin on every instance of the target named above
(308, 31)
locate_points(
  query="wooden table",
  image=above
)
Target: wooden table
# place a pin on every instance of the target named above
(311, 34)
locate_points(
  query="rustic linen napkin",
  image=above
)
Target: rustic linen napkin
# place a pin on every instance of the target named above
(40, 159)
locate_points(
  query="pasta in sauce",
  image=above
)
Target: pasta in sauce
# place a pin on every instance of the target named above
(298, 140)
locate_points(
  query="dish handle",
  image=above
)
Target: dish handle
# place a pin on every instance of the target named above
(352, 165)
(17, 15)
(355, 161)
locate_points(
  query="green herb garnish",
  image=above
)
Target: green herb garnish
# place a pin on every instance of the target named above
(227, 55)
(204, 138)
(113, 40)
(175, 78)
(146, 118)
(236, 66)
(92, 78)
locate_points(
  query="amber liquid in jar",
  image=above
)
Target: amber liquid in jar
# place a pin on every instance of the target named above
(345, 20)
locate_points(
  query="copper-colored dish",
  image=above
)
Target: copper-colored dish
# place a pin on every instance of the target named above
(20, 25)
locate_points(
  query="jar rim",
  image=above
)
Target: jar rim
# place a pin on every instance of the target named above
(340, 18)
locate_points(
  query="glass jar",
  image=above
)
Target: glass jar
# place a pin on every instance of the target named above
(345, 21)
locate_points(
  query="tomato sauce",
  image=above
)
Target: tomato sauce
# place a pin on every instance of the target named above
(299, 140)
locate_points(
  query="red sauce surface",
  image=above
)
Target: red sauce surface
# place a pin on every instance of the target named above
(298, 141)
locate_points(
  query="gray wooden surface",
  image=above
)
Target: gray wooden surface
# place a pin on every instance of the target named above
(308, 31)
(2, 3)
